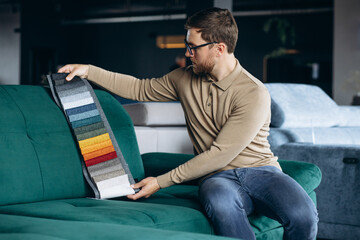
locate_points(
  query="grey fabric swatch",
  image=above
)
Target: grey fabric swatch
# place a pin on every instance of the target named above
(75, 97)
(89, 128)
(83, 115)
(91, 134)
(108, 175)
(59, 82)
(105, 167)
(87, 123)
(121, 158)
(72, 91)
(74, 84)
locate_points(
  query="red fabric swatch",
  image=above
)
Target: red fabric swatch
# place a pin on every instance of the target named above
(101, 159)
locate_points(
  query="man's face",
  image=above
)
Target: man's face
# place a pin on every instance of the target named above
(203, 58)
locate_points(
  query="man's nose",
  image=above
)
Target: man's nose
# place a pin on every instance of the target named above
(187, 53)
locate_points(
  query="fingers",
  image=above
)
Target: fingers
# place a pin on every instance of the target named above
(139, 184)
(70, 76)
(69, 68)
(65, 69)
(141, 193)
(148, 187)
(138, 195)
(80, 70)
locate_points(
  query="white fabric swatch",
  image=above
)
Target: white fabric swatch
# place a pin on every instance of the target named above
(78, 103)
(115, 187)
(75, 97)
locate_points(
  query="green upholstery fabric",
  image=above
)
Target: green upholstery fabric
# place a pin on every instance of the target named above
(38, 159)
(185, 195)
(44, 192)
(307, 175)
(156, 164)
(117, 212)
(49, 160)
(178, 195)
(20, 227)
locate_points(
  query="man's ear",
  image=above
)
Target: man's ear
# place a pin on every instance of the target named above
(221, 48)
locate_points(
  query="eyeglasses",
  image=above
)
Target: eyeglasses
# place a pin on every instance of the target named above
(195, 47)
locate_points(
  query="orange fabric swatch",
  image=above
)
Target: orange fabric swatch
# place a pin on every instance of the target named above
(99, 153)
(94, 140)
(95, 147)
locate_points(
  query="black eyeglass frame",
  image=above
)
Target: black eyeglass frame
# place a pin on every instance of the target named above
(199, 46)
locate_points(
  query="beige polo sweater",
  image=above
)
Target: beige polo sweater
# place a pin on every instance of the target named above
(228, 120)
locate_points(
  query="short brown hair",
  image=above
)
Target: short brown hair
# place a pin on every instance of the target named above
(216, 25)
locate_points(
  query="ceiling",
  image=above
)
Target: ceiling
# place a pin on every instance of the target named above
(121, 8)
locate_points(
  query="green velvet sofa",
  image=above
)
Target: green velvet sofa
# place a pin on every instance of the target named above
(44, 194)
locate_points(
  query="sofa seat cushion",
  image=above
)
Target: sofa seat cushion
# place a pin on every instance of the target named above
(187, 195)
(156, 113)
(116, 212)
(264, 228)
(14, 227)
(307, 175)
(177, 195)
(169, 209)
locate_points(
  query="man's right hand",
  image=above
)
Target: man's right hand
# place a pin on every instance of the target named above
(80, 70)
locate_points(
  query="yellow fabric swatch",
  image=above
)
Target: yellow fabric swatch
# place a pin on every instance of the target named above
(99, 153)
(95, 147)
(94, 140)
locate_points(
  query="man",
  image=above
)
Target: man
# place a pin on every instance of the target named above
(227, 112)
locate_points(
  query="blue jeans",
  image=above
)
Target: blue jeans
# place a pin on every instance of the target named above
(228, 197)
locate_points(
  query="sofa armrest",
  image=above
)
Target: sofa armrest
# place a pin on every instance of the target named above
(333, 156)
(306, 174)
(339, 192)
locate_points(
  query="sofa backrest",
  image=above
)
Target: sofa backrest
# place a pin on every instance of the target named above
(350, 116)
(301, 105)
(39, 159)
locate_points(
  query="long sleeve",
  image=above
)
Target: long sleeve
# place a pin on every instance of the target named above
(154, 89)
(228, 120)
(247, 118)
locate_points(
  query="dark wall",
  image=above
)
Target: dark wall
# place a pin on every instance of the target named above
(313, 35)
(39, 41)
(313, 40)
(131, 48)
(123, 47)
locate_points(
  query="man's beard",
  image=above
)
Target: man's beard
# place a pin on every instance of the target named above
(205, 68)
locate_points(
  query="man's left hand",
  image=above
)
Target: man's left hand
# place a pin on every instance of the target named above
(148, 187)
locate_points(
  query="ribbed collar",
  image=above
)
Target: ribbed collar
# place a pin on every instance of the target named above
(228, 80)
